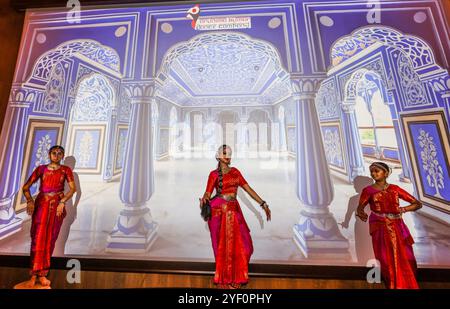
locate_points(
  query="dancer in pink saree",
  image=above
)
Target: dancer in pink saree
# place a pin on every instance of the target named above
(230, 235)
(391, 240)
(47, 211)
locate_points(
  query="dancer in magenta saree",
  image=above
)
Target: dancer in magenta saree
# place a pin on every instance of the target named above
(391, 239)
(47, 211)
(230, 235)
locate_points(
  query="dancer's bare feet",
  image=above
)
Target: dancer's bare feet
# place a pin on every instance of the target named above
(30, 283)
(44, 281)
(222, 286)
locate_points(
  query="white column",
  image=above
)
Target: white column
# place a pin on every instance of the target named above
(405, 175)
(187, 142)
(283, 137)
(242, 137)
(12, 143)
(110, 146)
(210, 135)
(135, 230)
(352, 140)
(274, 135)
(316, 233)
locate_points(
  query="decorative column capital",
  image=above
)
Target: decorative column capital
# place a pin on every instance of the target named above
(24, 96)
(141, 91)
(209, 119)
(72, 92)
(348, 106)
(390, 96)
(442, 86)
(244, 120)
(390, 81)
(305, 87)
(445, 94)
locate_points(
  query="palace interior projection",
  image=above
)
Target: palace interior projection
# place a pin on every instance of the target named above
(306, 97)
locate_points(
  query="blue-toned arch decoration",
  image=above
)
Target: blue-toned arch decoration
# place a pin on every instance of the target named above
(271, 22)
(411, 83)
(130, 49)
(352, 85)
(251, 71)
(46, 97)
(94, 99)
(364, 83)
(341, 136)
(91, 49)
(80, 60)
(58, 71)
(90, 121)
(216, 38)
(417, 49)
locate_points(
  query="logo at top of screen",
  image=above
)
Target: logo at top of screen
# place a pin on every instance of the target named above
(193, 14)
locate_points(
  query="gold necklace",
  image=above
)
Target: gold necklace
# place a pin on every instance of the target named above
(384, 187)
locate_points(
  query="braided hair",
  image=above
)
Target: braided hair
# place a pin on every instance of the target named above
(219, 170)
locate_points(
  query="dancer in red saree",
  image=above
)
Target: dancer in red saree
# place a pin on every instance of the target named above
(391, 239)
(230, 235)
(47, 211)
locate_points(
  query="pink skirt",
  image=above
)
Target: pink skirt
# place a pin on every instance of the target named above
(392, 245)
(231, 241)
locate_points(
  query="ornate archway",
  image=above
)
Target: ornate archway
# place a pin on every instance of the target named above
(406, 67)
(89, 124)
(44, 92)
(416, 49)
(93, 50)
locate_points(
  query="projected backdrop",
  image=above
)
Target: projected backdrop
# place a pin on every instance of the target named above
(305, 95)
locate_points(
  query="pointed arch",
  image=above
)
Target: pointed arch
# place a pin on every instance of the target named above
(415, 48)
(351, 87)
(210, 38)
(91, 49)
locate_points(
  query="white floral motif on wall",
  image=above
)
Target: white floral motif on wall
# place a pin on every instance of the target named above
(42, 151)
(327, 102)
(333, 147)
(121, 151)
(430, 163)
(84, 152)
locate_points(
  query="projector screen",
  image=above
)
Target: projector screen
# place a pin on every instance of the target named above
(141, 98)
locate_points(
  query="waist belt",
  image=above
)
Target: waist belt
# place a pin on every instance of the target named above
(217, 211)
(227, 197)
(388, 215)
(51, 193)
